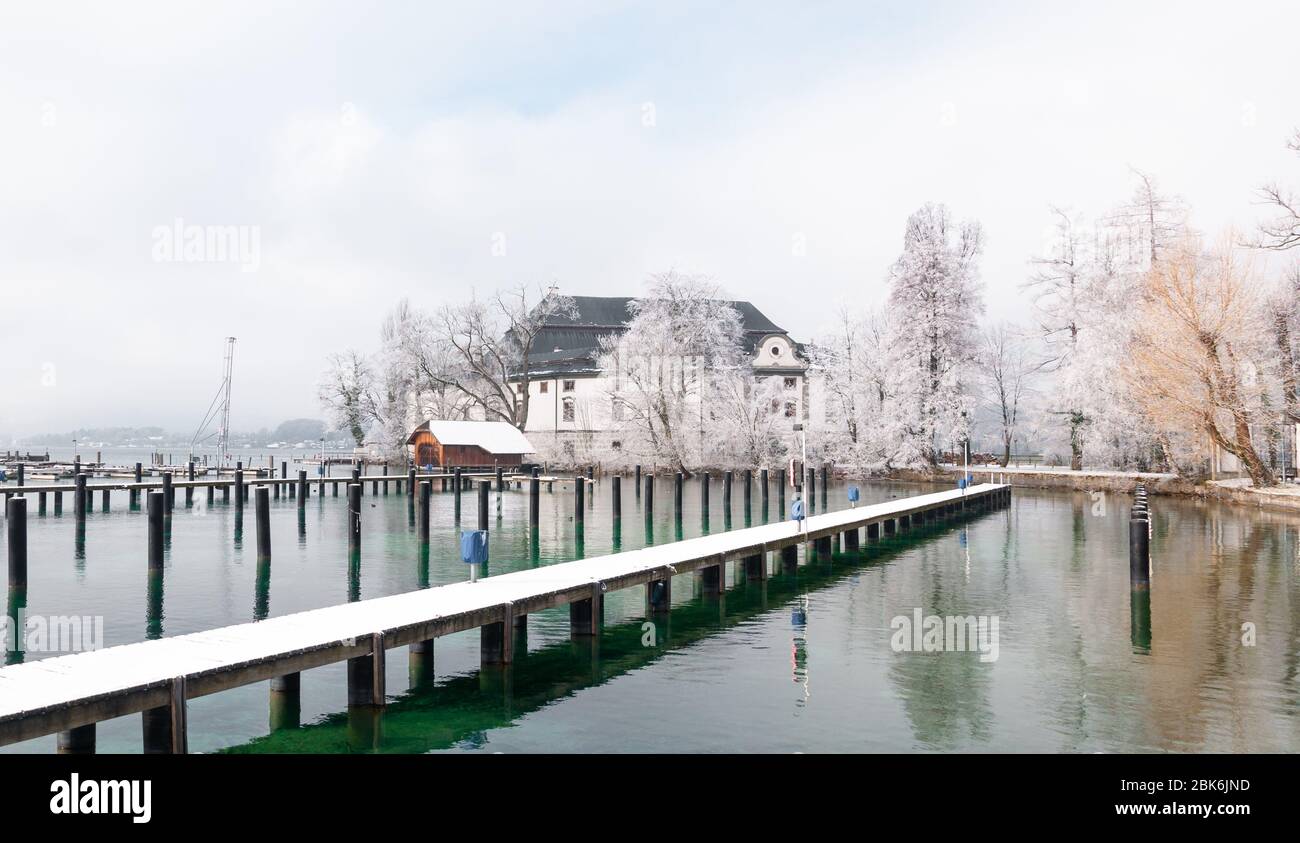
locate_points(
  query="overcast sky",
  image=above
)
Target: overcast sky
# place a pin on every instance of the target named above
(385, 150)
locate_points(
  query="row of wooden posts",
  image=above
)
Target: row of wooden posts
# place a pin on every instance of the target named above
(161, 502)
(162, 732)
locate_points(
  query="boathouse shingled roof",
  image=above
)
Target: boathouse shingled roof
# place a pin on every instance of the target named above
(571, 344)
(495, 437)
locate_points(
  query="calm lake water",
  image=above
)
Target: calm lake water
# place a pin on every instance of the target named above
(803, 662)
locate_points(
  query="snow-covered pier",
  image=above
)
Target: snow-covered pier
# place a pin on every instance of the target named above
(70, 694)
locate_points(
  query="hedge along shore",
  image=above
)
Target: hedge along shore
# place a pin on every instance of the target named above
(1282, 499)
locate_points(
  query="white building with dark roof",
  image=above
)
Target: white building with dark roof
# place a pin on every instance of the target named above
(569, 394)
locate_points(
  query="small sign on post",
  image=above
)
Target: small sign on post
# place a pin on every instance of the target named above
(796, 510)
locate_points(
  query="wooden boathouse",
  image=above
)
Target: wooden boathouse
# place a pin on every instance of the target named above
(467, 444)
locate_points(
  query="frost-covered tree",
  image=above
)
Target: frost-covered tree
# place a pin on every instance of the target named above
(1007, 366)
(936, 298)
(348, 391)
(850, 365)
(682, 340)
(480, 349)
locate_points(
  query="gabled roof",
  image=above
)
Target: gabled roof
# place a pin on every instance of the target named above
(571, 344)
(495, 437)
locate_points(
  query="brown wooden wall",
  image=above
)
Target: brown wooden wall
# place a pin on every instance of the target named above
(427, 450)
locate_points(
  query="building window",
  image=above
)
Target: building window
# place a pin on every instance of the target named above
(569, 386)
(789, 409)
(791, 383)
(546, 387)
(568, 409)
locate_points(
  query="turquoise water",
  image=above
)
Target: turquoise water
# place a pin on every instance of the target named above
(805, 660)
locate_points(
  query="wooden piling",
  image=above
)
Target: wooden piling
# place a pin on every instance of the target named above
(484, 490)
(262, 508)
(579, 503)
(534, 501)
(303, 489)
(354, 519)
(16, 530)
(616, 494)
(426, 494)
(79, 498)
(169, 494)
(157, 504)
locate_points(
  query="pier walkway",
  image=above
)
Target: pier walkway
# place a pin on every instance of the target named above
(69, 694)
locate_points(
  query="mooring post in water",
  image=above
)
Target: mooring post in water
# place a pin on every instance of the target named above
(762, 483)
(189, 490)
(749, 490)
(579, 502)
(40, 505)
(678, 480)
(135, 492)
(616, 495)
(636, 483)
(16, 518)
(726, 492)
(356, 479)
(426, 495)
(386, 478)
(239, 488)
(1139, 549)
(484, 492)
(649, 496)
(812, 488)
(157, 504)
(303, 488)
(534, 500)
(169, 494)
(501, 483)
(410, 481)
(262, 508)
(354, 519)
(22, 477)
(704, 494)
(79, 498)
(456, 481)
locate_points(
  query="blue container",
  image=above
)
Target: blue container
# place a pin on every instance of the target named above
(474, 547)
(854, 494)
(961, 483)
(796, 510)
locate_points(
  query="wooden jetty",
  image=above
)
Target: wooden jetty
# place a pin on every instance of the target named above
(69, 694)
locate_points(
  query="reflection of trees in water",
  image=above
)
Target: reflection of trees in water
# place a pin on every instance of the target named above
(1214, 567)
(945, 695)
